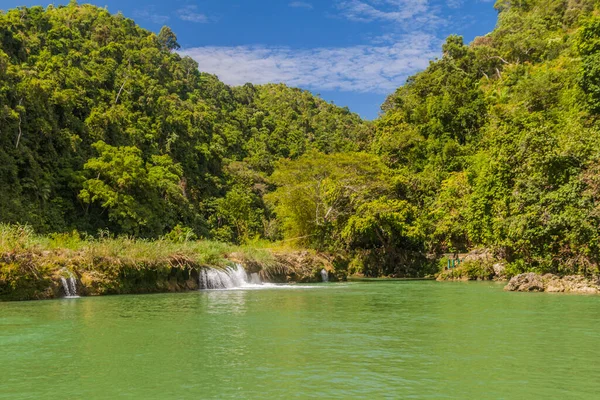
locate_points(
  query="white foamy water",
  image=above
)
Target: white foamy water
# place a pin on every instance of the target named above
(236, 278)
(69, 286)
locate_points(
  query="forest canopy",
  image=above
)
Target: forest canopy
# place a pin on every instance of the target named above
(104, 126)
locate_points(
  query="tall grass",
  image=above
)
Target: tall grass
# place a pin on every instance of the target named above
(32, 265)
(18, 239)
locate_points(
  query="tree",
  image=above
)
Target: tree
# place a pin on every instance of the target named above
(237, 216)
(381, 223)
(167, 39)
(317, 193)
(141, 198)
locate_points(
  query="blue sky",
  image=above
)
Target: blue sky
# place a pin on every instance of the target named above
(351, 52)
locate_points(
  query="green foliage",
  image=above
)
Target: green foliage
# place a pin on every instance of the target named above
(140, 197)
(167, 39)
(502, 141)
(237, 215)
(496, 144)
(382, 222)
(588, 44)
(472, 270)
(181, 234)
(347, 202)
(176, 247)
(105, 126)
(317, 193)
(450, 212)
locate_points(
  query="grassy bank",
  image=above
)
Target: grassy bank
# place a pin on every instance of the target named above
(31, 265)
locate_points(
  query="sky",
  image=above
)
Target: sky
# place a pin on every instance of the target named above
(351, 52)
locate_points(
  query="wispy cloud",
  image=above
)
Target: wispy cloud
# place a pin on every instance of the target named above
(149, 13)
(301, 4)
(361, 68)
(385, 10)
(190, 13)
(456, 3)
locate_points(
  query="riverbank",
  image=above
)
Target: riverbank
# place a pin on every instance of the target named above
(480, 266)
(35, 267)
(532, 282)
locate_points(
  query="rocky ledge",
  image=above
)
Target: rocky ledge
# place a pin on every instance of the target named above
(532, 282)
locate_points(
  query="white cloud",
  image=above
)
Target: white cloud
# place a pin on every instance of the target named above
(456, 3)
(301, 4)
(190, 14)
(387, 10)
(149, 14)
(361, 68)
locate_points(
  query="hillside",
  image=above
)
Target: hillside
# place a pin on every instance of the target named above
(495, 146)
(105, 126)
(501, 139)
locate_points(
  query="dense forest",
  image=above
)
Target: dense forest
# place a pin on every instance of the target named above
(104, 127)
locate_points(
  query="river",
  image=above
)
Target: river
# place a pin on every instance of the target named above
(413, 339)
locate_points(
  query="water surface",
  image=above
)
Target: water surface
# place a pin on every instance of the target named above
(417, 340)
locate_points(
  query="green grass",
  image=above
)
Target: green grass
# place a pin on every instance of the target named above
(31, 265)
(16, 239)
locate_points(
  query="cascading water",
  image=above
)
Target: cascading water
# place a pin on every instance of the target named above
(324, 275)
(228, 278)
(255, 279)
(69, 285)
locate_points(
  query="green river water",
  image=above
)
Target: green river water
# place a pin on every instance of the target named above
(417, 340)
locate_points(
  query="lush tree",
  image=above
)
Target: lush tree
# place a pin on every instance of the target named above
(141, 197)
(167, 39)
(71, 76)
(496, 144)
(317, 193)
(387, 236)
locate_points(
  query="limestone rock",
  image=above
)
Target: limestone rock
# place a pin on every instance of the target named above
(499, 270)
(553, 283)
(529, 282)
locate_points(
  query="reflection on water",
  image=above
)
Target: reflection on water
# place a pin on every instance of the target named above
(396, 340)
(224, 301)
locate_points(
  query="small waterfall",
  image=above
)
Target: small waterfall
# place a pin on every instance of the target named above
(69, 284)
(66, 287)
(228, 278)
(255, 279)
(324, 275)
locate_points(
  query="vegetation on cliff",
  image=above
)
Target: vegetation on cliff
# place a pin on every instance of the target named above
(495, 145)
(32, 265)
(104, 126)
(501, 139)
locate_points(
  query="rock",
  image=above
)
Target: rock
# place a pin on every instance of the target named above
(529, 282)
(554, 283)
(580, 284)
(191, 284)
(586, 290)
(532, 282)
(478, 255)
(499, 270)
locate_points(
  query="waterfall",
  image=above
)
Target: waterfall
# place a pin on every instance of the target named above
(324, 275)
(66, 288)
(69, 285)
(255, 279)
(228, 278)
